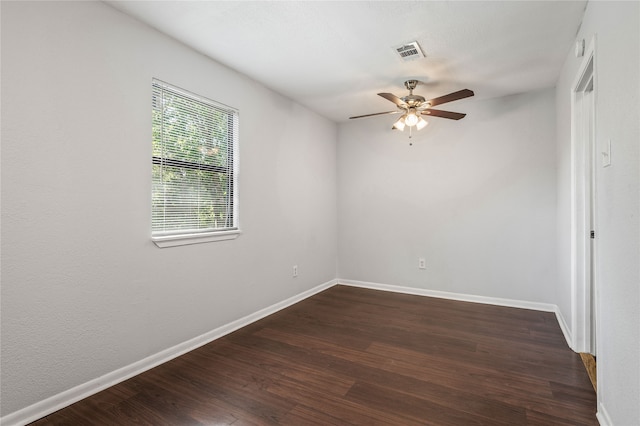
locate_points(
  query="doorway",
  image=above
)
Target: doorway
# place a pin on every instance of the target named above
(584, 211)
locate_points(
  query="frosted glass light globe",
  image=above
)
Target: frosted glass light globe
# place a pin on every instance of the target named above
(411, 119)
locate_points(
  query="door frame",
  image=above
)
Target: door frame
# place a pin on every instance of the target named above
(584, 206)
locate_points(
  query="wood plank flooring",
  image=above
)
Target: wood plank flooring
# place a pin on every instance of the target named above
(589, 362)
(365, 357)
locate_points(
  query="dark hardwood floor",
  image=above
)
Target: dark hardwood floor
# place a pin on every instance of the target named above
(356, 356)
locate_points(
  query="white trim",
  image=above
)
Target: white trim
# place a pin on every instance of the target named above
(544, 307)
(581, 252)
(566, 331)
(603, 416)
(186, 239)
(68, 397)
(512, 303)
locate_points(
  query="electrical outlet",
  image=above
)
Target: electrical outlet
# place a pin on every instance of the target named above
(295, 271)
(422, 264)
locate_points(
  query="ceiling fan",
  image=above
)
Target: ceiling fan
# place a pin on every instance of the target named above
(414, 107)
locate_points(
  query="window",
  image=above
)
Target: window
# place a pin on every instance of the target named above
(193, 173)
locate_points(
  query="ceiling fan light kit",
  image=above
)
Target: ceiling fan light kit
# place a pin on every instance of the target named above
(399, 125)
(413, 107)
(411, 117)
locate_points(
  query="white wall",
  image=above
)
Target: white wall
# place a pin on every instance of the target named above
(84, 290)
(616, 27)
(476, 198)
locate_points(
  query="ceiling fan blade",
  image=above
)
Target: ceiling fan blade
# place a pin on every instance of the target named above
(376, 113)
(460, 94)
(393, 98)
(443, 114)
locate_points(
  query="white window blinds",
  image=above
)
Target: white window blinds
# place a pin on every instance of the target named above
(194, 154)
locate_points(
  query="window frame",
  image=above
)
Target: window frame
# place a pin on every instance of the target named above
(186, 237)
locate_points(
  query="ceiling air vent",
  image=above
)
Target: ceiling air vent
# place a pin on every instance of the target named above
(409, 51)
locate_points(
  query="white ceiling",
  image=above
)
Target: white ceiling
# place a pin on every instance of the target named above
(334, 56)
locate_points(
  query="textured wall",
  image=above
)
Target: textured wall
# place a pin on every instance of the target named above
(616, 27)
(476, 198)
(84, 290)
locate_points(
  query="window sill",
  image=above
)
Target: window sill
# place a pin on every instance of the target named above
(183, 240)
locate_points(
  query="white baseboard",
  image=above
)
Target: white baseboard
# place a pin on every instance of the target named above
(68, 397)
(566, 331)
(536, 306)
(603, 416)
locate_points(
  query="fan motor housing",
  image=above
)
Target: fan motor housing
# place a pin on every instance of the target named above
(413, 100)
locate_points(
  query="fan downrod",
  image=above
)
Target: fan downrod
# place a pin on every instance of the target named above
(411, 99)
